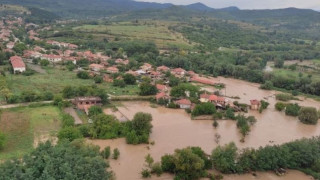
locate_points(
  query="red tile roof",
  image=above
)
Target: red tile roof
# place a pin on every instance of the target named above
(161, 95)
(203, 80)
(183, 102)
(254, 102)
(161, 87)
(17, 62)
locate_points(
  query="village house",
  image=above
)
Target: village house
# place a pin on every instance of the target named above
(179, 72)
(96, 67)
(163, 69)
(217, 100)
(155, 75)
(10, 45)
(84, 103)
(254, 104)
(183, 103)
(72, 46)
(31, 54)
(146, 67)
(162, 88)
(17, 64)
(52, 57)
(132, 73)
(107, 78)
(72, 59)
(112, 70)
(162, 96)
(204, 97)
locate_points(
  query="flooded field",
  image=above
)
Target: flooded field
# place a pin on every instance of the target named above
(174, 129)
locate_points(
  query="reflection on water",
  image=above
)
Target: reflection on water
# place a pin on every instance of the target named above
(174, 129)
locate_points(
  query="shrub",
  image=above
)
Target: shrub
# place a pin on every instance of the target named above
(116, 153)
(3, 140)
(268, 85)
(308, 115)
(98, 79)
(84, 130)
(106, 152)
(69, 133)
(47, 96)
(44, 62)
(156, 169)
(129, 79)
(147, 89)
(119, 83)
(95, 110)
(292, 109)
(230, 114)
(280, 106)
(83, 75)
(145, 173)
(264, 105)
(67, 120)
(204, 109)
(284, 97)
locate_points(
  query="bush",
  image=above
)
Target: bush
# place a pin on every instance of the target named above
(44, 62)
(145, 173)
(264, 105)
(292, 109)
(69, 133)
(95, 110)
(167, 163)
(204, 109)
(147, 89)
(47, 96)
(98, 79)
(67, 120)
(230, 114)
(129, 79)
(268, 85)
(84, 130)
(106, 152)
(3, 140)
(83, 75)
(116, 153)
(57, 100)
(280, 106)
(284, 97)
(156, 169)
(119, 83)
(308, 115)
(173, 105)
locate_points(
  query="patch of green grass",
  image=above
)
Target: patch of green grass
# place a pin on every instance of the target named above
(157, 32)
(25, 124)
(55, 80)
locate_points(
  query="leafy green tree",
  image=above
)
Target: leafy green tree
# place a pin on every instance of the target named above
(83, 75)
(268, 85)
(106, 127)
(69, 92)
(119, 83)
(147, 89)
(292, 109)
(106, 152)
(280, 106)
(69, 133)
(204, 109)
(264, 105)
(44, 62)
(230, 114)
(19, 48)
(188, 165)
(129, 79)
(167, 163)
(95, 110)
(173, 81)
(98, 79)
(75, 160)
(139, 129)
(308, 115)
(67, 120)
(3, 140)
(224, 158)
(278, 63)
(182, 90)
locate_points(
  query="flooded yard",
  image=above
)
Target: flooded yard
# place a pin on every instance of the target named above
(173, 129)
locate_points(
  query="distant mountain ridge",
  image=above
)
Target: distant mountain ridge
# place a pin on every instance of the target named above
(129, 9)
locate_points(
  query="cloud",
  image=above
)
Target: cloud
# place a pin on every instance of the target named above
(249, 4)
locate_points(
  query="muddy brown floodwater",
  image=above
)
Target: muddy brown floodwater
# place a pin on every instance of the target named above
(174, 129)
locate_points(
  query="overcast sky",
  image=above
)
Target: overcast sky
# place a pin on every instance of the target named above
(249, 4)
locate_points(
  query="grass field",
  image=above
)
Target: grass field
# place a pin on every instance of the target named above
(55, 80)
(156, 31)
(26, 126)
(295, 74)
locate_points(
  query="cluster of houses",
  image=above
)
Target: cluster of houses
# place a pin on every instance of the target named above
(7, 38)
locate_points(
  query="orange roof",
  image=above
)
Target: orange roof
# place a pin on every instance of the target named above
(161, 95)
(254, 102)
(161, 87)
(213, 97)
(183, 102)
(203, 81)
(17, 62)
(96, 66)
(204, 96)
